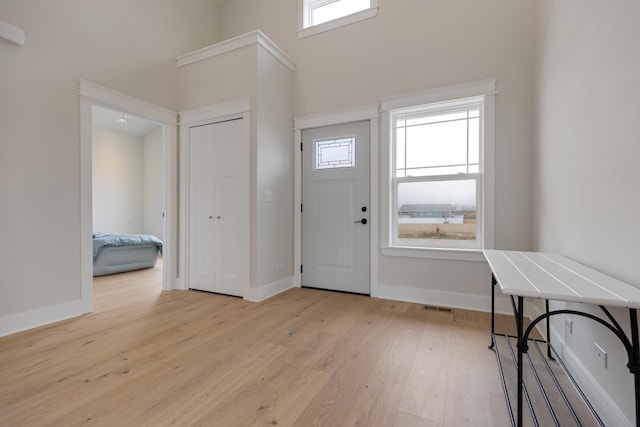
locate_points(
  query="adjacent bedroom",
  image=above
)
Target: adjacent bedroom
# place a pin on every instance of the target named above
(128, 198)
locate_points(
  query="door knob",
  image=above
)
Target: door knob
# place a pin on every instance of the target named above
(362, 221)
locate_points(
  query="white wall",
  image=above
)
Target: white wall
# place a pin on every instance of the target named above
(127, 182)
(128, 46)
(275, 151)
(118, 182)
(217, 79)
(586, 151)
(412, 46)
(153, 184)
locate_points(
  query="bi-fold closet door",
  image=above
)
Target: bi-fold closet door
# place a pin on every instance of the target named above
(218, 207)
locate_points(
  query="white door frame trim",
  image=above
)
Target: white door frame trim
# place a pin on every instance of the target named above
(234, 109)
(93, 94)
(370, 113)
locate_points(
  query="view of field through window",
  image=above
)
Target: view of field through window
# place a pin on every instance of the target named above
(437, 210)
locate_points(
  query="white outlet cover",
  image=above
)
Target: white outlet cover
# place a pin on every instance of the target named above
(600, 354)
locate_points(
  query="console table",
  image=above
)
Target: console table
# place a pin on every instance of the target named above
(553, 277)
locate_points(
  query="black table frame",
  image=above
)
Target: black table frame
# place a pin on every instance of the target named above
(632, 346)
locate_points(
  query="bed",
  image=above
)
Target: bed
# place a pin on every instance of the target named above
(118, 253)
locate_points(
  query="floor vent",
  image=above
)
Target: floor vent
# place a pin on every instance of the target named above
(436, 308)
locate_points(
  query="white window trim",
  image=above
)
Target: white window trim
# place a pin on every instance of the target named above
(481, 88)
(362, 15)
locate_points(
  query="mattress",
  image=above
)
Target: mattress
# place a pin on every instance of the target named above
(118, 259)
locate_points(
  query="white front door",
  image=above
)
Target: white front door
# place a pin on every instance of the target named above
(335, 215)
(218, 200)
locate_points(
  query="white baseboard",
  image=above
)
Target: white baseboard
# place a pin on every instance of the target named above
(269, 290)
(606, 408)
(441, 298)
(32, 319)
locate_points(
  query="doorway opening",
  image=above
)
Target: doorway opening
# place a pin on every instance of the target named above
(127, 195)
(93, 95)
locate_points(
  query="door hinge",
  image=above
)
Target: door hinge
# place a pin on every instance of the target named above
(300, 207)
(300, 268)
(301, 146)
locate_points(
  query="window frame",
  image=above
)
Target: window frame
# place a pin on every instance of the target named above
(482, 92)
(425, 111)
(305, 29)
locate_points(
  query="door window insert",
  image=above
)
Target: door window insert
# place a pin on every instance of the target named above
(335, 153)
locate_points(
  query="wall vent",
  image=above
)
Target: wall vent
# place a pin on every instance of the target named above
(436, 308)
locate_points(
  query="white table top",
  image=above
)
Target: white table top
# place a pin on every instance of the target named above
(554, 277)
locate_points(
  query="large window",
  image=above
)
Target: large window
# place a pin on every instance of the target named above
(321, 15)
(436, 179)
(437, 173)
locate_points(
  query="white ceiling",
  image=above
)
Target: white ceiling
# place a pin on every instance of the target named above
(111, 119)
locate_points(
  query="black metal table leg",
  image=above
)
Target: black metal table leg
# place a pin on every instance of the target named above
(521, 347)
(493, 307)
(634, 364)
(549, 355)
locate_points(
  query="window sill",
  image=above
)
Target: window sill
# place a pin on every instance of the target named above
(337, 23)
(474, 255)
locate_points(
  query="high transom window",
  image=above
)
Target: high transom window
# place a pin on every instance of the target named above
(321, 11)
(321, 15)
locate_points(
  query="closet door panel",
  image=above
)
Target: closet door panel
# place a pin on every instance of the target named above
(218, 208)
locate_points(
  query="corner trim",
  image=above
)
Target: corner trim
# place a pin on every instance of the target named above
(253, 37)
(270, 290)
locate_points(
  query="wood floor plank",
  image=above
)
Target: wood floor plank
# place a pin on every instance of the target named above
(377, 405)
(307, 357)
(472, 378)
(426, 390)
(407, 420)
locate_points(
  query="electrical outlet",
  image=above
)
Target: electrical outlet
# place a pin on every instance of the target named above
(568, 325)
(600, 355)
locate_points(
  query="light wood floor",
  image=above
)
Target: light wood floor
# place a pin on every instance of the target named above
(303, 358)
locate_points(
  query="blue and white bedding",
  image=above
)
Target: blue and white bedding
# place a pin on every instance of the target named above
(102, 240)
